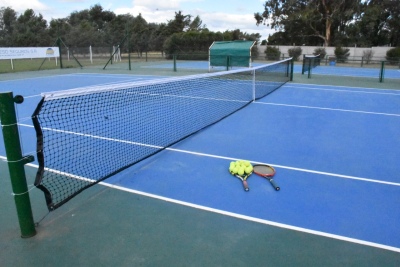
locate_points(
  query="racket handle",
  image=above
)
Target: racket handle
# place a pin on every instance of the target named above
(245, 185)
(277, 188)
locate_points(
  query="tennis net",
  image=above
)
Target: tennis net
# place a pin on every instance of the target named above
(310, 62)
(86, 135)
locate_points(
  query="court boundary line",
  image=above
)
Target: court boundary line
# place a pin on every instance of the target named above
(341, 86)
(75, 74)
(347, 91)
(253, 219)
(332, 109)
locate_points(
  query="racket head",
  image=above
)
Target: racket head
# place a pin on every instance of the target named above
(264, 170)
(241, 177)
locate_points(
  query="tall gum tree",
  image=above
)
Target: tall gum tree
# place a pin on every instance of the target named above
(319, 17)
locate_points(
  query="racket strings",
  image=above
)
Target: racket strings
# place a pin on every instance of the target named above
(264, 170)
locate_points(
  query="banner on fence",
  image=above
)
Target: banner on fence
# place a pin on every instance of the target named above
(28, 52)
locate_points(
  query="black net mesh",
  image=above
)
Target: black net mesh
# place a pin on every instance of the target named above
(85, 136)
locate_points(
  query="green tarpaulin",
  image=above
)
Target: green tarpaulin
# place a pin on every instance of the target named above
(231, 53)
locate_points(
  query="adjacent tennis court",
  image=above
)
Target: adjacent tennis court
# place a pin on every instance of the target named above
(335, 150)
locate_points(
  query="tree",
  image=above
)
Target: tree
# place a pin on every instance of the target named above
(116, 29)
(99, 17)
(140, 35)
(8, 18)
(308, 17)
(196, 25)
(30, 30)
(158, 36)
(179, 23)
(379, 23)
(393, 21)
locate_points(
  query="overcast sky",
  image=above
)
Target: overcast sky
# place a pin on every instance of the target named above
(217, 15)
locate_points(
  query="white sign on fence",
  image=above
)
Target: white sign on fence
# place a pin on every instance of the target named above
(28, 52)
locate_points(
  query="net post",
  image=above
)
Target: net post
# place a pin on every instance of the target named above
(304, 62)
(174, 57)
(288, 68)
(309, 67)
(382, 71)
(291, 69)
(16, 163)
(254, 84)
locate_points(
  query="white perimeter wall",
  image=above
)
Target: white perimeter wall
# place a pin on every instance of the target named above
(356, 52)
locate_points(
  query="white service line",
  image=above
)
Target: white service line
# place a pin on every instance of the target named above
(334, 109)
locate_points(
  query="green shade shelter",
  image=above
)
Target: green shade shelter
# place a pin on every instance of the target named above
(230, 54)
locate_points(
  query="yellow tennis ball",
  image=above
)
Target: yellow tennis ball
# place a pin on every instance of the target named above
(248, 169)
(231, 168)
(247, 163)
(235, 170)
(240, 171)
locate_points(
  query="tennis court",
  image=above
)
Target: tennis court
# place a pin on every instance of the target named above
(335, 150)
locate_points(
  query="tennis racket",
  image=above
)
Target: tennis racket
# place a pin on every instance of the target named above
(266, 171)
(243, 178)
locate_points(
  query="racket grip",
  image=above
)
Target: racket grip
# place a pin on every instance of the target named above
(277, 188)
(245, 185)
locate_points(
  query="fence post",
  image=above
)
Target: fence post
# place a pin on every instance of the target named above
(174, 56)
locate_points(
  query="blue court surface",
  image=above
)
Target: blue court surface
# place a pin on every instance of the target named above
(389, 73)
(336, 151)
(393, 73)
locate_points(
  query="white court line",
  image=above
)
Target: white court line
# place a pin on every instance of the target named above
(257, 220)
(341, 86)
(240, 216)
(112, 74)
(346, 91)
(30, 78)
(243, 217)
(334, 109)
(288, 167)
(222, 157)
(76, 74)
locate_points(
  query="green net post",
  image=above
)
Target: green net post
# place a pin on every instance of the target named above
(174, 57)
(227, 62)
(291, 69)
(310, 63)
(16, 163)
(303, 67)
(382, 72)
